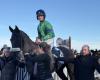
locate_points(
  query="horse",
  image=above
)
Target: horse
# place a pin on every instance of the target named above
(59, 66)
(21, 40)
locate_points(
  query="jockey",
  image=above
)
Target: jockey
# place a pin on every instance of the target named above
(45, 29)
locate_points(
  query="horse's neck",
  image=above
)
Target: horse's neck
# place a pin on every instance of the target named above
(27, 43)
(27, 46)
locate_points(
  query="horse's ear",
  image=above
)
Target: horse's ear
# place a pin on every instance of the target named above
(11, 29)
(16, 28)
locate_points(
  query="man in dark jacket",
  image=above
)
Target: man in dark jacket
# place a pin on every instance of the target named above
(86, 64)
(8, 65)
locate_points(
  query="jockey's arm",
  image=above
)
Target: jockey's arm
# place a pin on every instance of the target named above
(38, 40)
(50, 32)
(40, 36)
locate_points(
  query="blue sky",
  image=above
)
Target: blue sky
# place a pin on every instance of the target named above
(79, 19)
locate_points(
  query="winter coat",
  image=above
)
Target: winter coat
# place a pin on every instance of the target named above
(85, 67)
(42, 70)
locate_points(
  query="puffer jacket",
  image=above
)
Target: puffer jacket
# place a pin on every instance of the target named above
(42, 70)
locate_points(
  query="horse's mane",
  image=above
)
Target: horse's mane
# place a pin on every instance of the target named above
(28, 43)
(25, 36)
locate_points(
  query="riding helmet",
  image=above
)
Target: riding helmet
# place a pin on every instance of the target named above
(40, 13)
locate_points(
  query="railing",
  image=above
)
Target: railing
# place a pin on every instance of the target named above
(22, 74)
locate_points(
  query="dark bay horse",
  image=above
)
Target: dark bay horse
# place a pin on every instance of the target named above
(21, 40)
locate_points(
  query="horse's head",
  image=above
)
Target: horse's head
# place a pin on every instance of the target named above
(16, 38)
(20, 39)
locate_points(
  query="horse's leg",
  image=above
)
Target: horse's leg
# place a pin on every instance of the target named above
(70, 69)
(60, 73)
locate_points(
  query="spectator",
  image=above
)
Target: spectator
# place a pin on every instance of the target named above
(42, 63)
(85, 64)
(8, 64)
